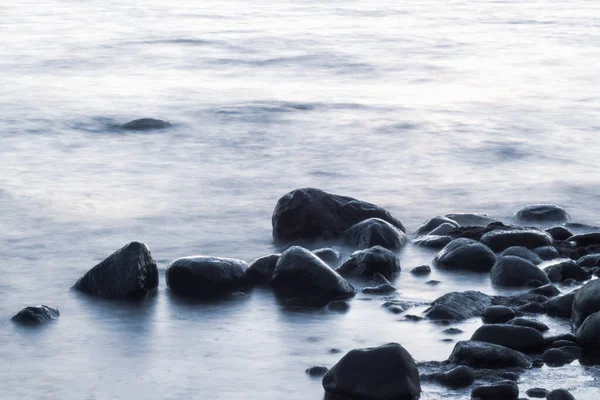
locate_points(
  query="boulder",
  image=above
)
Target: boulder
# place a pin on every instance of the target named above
(500, 240)
(442, 230)
(547, 252)
(557, 357)
(374, 232)
(548, 290)
(586, 301)
(434, 223)
(497, 314)
(470, 219)
(36, 315)
(129, 272)
(329, 255)
(458, 377)
(301, 275)
(506, 390)
(530, 323)
(311, 214)
(476, 232)
(524, 253)
(316, 371)
(560, 394)
(458, 306)
(542, 213)
(421, 270)
(566, 270)
(205, 277)
(511, 271)
(261, 269)
(145, 124)
(586, 239)
(520, 338)
(465, 254)
(559, 233)
(537, 392)
(378, 373)
(589, 260)
(561, 306)
(487, 355)
(370, 261)
(588, 334)
(432, 242)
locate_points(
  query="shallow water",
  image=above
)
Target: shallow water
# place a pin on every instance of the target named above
(424, 109)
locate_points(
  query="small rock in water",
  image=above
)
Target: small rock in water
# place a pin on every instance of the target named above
(586, 301)
(339, 305)
(566, 270)
(380, 289)
(374, 232)
(399, 306)
(452, 331)
(500, 240)
(589, 260)
(145, 124)
(465, 254)
(459, 305)
(35, 315)
(561, 306)
(522, 252)
(529, 323)
(557, 357)
(413, 318)
(497, 314)
(261, 269)
(421, 270)
(471, 219)
(560, 394)
(559, 233)
(433, 223)
(537, 392)
(548, 290)
(370, 261)
(506, 390)
(461, 376)
(442, 230)
(511, 271)
(520, 338)
(432, 282)
(316, 371)
(432, 241)
(588, 333)
(586, 239)
(542, 213)
(329, 255)
(547, 252)
(487, 355)
(335, 351)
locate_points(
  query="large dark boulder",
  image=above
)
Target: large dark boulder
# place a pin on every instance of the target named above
(586, 301)
(522, 252)
(500, 240)
(129, 272)
(311, 214)
(511, 271)
(548, 290)
(560, 394)
(458, 377)
(329, 255)
(261, 269)
(477, 232)
(557, 357)
(588, 334)
(301, 275)
(367, 262)
(471, 219)
(542, 213)
(566, 270)
(585, 239)
(36, 315)
(497, 314)
(433, 223)
(379, 373)
(561, 306)
(589, 260)
(458, 306)
(520, 338)
(466, 254)
(547, 252)
(487, 355)
(145, 124)
(559, 233)
(205, 277)
(374, 232)
(506, 390)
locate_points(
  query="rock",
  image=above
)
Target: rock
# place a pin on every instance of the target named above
(329, 255)
(524, 253)
(559, 233)
(442, 230)
(145, 124)
(586, 239)
(432, 282)
(398, 306)
(459, 306)
(36, 315)
(470, 219)
(505, 390)
(586, 301)
(458, 377)
(339, 306)
(530, 308)
(566, 270)
(560, 394)
(537, 392)
(557, 358)
(432, 224)
(421, 270)
(589, 260)
(301, 275)
(542, 213)
(529, 323)
(561, 306)
(370, 261)
(548, 290)
(311, 214)
(520, 338)
(452, 331)
(316, 371)
(378, 373)
(562, 343)
(465, 254)
(261, 269)
(588, 334)
(413, 318)
(380, 279)
(565, 336)
(432, 242)
(547, 252)
(497, 314)
(374, 232)
(129, 272)
(205, 277)
(500, 240)
(534, 283)
(511, 271)
(380, 289)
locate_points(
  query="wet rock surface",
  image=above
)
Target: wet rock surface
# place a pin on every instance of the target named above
(471, 219)
(502, 239)
(459, 306)
(588, 334)
(586, 301)
(523, 252)
(433, 223)
(465, 254)
(560, 394)
(506, 390)
(566, 270)
(145, 124)
(374, 232)
(261, 269)
(520, 338)
(542, 213)
(477, 354)
(497, 314)
(540, 326)
(421, 270)
(329, 255)
(367, 262)
(36, 315)
(511, 271)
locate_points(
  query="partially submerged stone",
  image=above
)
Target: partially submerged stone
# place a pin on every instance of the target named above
(471, 219)
(588, 334)
(465, 254)
(542, 213)
(520, 338)
(261, 269)
(566, 270)
(559, 233)
(487, 355)
(433, 223)
(374, 232)
(506, 390)
(523, 252)
(36, 315)
(586, 301)
(459, 306)
(500, 240)
(145, 124)
(511, 271)
(367, 262)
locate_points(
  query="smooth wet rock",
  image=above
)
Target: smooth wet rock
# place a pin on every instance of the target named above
(561, 306)
(413, 318)
(520, 338)
(506, 390)
(477, 232)
(458, 377)
(399, 306)
(530, 323)
(559, 233)
(497, 314)
(339, 306)
(421, 270)
(586, 302)
(129, 272)
(542, 213)
(562, 343)
(452, 331)
(378, 373)
(585, 239)
(500, 240)
(537, 392)
(530, 308)
(465, 254)
(316, 371)
(566, 270)
(557, 357)
(36, 315)
(548, 290)
(511, 271)
(589, 260)
(547, 252)
(471, 219)
(301, 275)
(370, 261)
(312, 214)
(588, 334)
(261, 269)
(145, 124)
(560, 394)
(432, 282)
(442, 230)
(374, 232)
(205, 276)
(329, 255)
(522, 252)
(432, 241)
(386, 288)
(459, 306)
(433, 223)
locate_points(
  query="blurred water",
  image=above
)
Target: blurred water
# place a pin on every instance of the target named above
(424, 108)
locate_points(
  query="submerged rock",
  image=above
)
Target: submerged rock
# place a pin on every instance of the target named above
(36, 315)
(311, 214)
(370, 261)
(566, 270)
(421, 270)
(506, 390)
(385, 288)
(378, 373)
(299, 274)
(399, 306)
(329, 255)
(466, 254)
(205, 277)
(497, 314)
(339, 306)
(524, 253)
(487, 355)
(559, 233)
(520, 338)
(261, 269)
(316, 371)
(500, 240)
(374, 232)
(470, 219)
(511, 271)
(452, 331)
(433, 223)
(588, 334)
(459, 306)
(586, 302)
(145, 124)
(542, 213)
(129, 272)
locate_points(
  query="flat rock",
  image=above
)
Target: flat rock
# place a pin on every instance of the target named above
(370, 261)
(36, 315)
(500, 240)
(261, 269)
(586, 302)
(432, 241)
(530, 323)
(145, 124)
(465, 254)
(458, 306)
(487, 355)
(471, 219)
(523, 252)
(497, 314)
(547, 252)
(520, 338)
(542, 213)
(511, 271)
(506, 390)
(433, 223)
(374, 232)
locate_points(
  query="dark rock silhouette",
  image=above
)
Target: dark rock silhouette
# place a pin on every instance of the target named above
(145, 124)
(370, 261)
(374, 232)
(511, 271)
(465, 254)
(36, 315)
(542, 213)
(487, 355)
